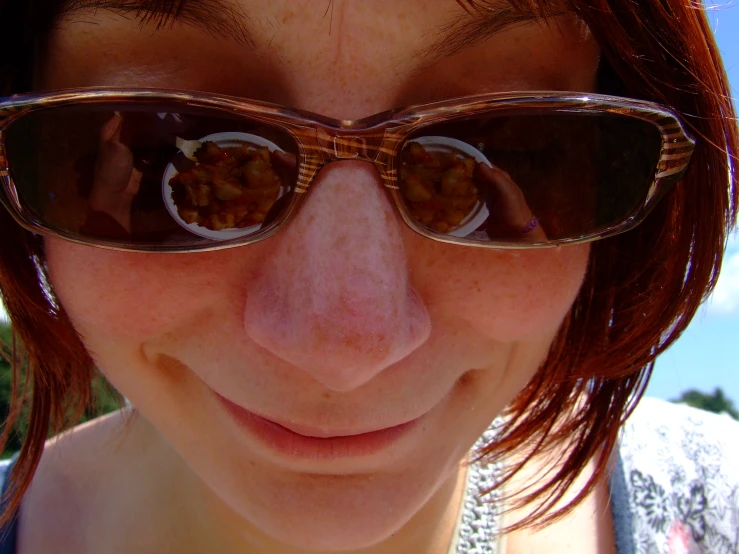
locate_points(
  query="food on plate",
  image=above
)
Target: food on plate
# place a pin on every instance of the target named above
(439, 186)
(230, 187)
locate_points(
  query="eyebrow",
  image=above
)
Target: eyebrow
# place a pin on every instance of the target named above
(218, 18)
(483, 19)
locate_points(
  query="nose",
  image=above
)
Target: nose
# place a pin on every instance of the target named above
(333, 296)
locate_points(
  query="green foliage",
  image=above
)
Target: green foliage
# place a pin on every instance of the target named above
(105, 398)
(14, 441)
(717, 402)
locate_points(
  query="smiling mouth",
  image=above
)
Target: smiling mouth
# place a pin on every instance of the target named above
(297, 441)
(321, 434)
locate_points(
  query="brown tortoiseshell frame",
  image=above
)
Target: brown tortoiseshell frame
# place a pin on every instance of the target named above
(377, 139)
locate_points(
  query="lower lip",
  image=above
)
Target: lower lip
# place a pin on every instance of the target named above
(295, 445)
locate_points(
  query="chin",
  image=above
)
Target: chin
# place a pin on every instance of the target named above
(337, 514)
(335, 537)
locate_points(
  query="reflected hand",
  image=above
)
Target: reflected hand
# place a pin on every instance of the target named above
(116, 181)
(510, 214)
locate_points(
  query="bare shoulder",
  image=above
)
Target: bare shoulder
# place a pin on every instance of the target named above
(69, 483)
(85, 450)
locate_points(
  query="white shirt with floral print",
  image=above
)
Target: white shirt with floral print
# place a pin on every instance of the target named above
(681, 474)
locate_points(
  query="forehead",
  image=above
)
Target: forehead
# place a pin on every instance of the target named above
(381, 54)
(236, 17)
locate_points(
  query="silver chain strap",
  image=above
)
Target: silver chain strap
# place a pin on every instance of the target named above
(480, 524)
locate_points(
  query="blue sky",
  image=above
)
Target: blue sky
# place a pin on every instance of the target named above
(706, 356)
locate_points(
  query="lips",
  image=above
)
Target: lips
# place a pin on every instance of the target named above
(298, 441)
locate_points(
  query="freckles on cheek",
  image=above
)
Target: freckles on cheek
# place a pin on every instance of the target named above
(510, 295)
(125, 296)
(100, 292)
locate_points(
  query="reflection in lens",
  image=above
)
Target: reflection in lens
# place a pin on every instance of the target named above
(115, 173)
(229, 188)
(575, 174)
(437, 183)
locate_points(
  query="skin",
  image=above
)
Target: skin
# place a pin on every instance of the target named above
(345, 320)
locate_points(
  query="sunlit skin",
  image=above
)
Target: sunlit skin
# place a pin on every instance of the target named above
(345, 321)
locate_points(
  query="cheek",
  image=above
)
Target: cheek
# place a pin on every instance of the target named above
(128, 297)
(508, 295)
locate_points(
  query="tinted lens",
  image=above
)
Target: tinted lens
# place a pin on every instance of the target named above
(151, 175)
(554, 175)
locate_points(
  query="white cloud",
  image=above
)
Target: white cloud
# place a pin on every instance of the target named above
(3, 313)
(725, 297)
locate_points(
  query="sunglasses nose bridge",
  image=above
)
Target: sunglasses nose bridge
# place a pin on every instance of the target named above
(358, 145)
(369, 145)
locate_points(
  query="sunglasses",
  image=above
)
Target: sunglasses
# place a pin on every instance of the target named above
(163, 171)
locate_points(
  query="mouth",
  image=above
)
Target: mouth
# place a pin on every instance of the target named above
(299, 441)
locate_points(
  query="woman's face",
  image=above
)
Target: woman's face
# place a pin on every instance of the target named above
(345, 322)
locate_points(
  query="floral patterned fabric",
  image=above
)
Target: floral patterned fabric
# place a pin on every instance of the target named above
(681, 475)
